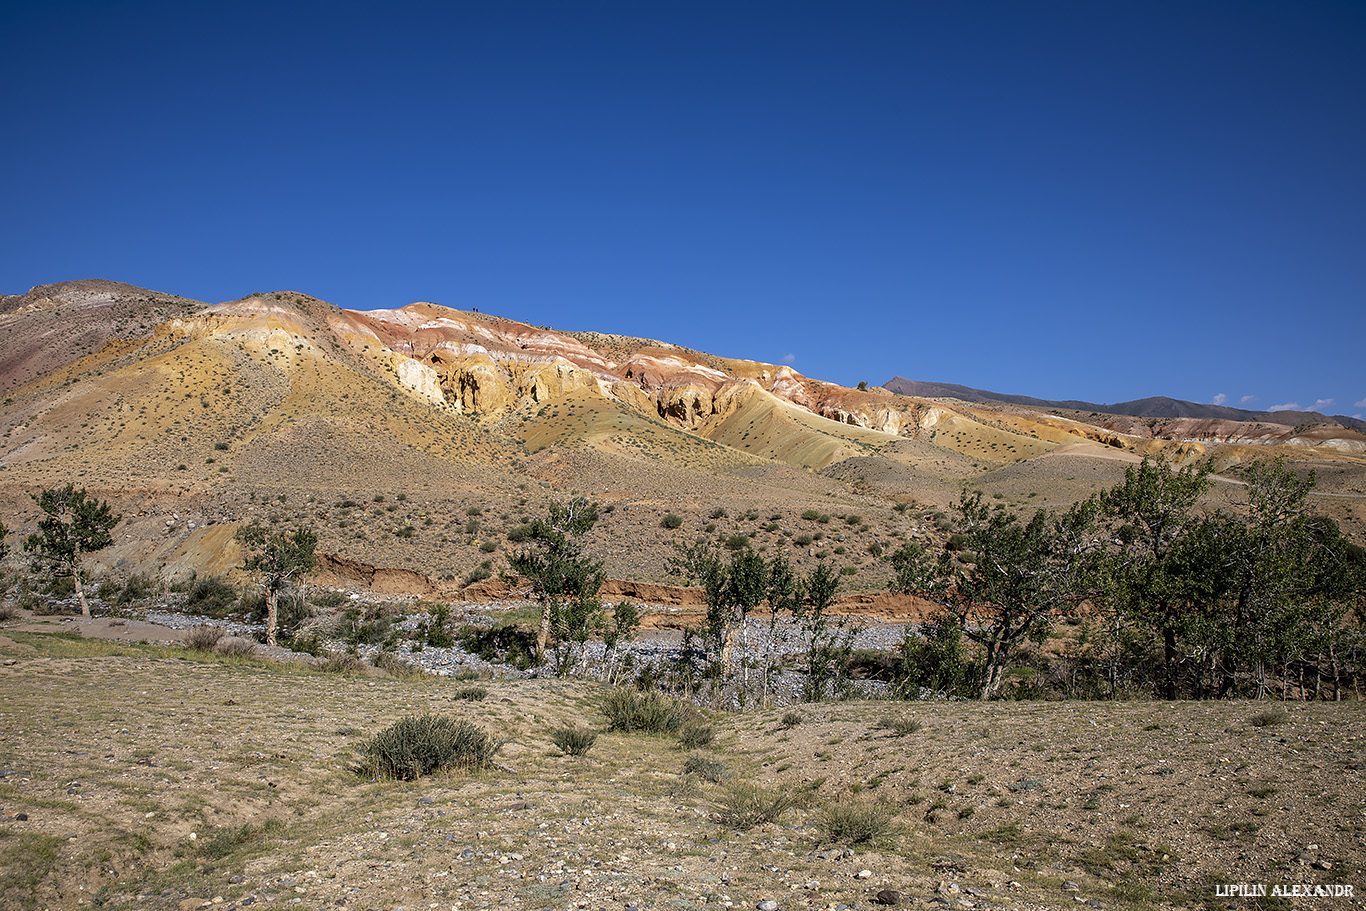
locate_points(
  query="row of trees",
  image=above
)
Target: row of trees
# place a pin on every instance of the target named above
(1172, 595)
(1186, 599)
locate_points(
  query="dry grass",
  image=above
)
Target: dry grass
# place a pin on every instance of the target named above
(257, 760)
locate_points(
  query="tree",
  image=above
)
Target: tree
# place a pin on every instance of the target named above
(825, 651)
(564, 580)
(72, 526)
(1012, 579)
(279, 560)
(1150, 575)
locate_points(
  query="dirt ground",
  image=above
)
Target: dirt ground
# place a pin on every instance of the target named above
(152, 777)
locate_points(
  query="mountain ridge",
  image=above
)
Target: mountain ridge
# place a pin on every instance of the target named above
(1150, 407)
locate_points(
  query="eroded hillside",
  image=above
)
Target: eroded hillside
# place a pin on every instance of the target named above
(417, 440)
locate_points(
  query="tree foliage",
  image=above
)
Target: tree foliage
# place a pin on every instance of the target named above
(279, 560)
(1010, 581)
(565, 581)
(1173, 592)
(72, 525)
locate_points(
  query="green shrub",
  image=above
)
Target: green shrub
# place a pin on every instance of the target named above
(653, 713)
(852, 821)
(470, 693)
(438, 633)
(745, 805)
(424, 744)
(707, 768)
(519, 533)
(719, 513)
(803, 540)
(573, 741)
(811, 515)
(737, 542)
(671, 521)
(211, 596)
(791, 719)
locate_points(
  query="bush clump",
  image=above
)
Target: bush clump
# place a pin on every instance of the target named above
(573, 741)
(900, 725)
(211, 596)
(470, 693)
(652, 712)
(424, 744)
(852, 821)
(745, 805)
(706, 768)
(671, 521)
(695, 735)
(203, 638)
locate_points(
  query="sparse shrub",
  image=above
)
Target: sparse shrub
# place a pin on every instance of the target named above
(719, 513)
(8, 612)
(343, 663)
(1268, 717)
(652, 712)
(791, 719)
(853, 821)
(671, 521)
(573, 741)
(478, 574)
(203, 638)
(900, 725)
(424, 744)
(737, 542)
(396, 666)
(706, 768)
(811, 515)
(221, 446)
(488, 547)
(519, 533)
(744, 805)
(695, 735)
(234, 647)
(226, 840)
(853, 520)
(470, 693)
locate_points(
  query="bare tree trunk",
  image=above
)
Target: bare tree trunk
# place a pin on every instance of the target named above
(272, 614)
(543, 634)
(80, 591)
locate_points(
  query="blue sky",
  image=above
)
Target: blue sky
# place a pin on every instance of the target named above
(1070, 200)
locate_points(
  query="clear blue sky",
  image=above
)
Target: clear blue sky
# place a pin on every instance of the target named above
(1098, 200)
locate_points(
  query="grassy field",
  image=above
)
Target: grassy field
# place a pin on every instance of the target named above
(136, 776)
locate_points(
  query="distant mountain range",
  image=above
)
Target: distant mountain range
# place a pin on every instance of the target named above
(1154, 407)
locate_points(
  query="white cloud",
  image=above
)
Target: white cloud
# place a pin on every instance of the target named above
(1360, 404)
(1321, 404)
(1219, 399)
(1288, 406)
(1249, 399)
(789, 358)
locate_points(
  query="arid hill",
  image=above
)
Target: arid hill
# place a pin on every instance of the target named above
(417, 440)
